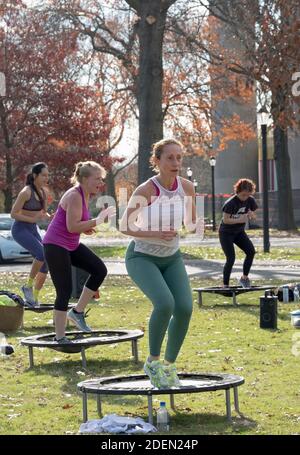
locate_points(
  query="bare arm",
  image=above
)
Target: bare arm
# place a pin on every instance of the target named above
(74, 213)
(138, 200)
(16, 211)
(227, 220)
(190, 217)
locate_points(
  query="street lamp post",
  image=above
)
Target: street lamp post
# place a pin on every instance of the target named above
(212, 162)
(189, 173)
(263, 119)
(195, 183)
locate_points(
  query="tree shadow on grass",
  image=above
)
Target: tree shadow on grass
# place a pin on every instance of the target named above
(249, 308)
(210, 423)
(73, 369)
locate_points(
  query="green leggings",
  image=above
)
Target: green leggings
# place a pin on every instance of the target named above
(165, 282)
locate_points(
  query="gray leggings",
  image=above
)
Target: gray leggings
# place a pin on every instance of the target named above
(26, 234)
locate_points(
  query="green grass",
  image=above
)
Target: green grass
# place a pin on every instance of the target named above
(209, 253)
(221, 338)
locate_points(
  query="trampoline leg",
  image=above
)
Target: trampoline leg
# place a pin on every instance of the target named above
(172, 402)
(31, 362)
(236, 400)
(234, 301)
(135, 351)
(83, 358)
(99, 406)
(200, 303)
(150, 409)
(84, 407)
(228, 405)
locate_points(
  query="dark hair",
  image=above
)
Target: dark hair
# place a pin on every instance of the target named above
(244, 185)
(36, 169)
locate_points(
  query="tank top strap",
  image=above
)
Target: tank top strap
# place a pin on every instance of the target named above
(180, 187)
(162, 189)
(156, 185)
(82, 197)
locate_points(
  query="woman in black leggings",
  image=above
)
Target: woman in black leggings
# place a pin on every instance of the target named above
(237, 210)
(63, 248)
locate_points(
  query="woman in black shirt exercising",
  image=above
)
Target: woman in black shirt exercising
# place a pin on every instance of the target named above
(237, 210)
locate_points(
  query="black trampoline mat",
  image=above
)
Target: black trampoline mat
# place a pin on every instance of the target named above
(43, 307)
(140, 384)
(82, 340)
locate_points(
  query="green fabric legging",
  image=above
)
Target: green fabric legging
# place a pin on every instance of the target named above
(165, 282)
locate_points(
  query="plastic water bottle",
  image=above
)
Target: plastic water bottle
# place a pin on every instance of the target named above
(296, 294)
(5, 349)
(285, 294)
(163, 421)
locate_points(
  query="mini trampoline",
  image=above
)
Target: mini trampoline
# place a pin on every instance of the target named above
(140, 385)
(43, 307)
(82, 341)
(231, 291)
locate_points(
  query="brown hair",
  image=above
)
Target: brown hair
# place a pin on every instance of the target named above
(157, 149)
(244, 185)
(84, 169)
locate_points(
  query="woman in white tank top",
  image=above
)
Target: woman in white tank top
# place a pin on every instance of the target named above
(153, 218)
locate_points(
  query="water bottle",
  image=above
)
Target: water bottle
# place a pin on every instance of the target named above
(163, 422)
(5, 349)
(296, 294)
(285, 294)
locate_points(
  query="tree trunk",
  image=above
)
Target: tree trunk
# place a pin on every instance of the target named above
(151, 32)
(111, 191)
(8, 200)
(286, 220)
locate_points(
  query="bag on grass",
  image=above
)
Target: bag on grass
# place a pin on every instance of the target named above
(8, 298)
(291, 292)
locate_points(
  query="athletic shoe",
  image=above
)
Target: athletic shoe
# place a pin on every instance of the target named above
(245, 283)
(79, 320)
(171, 373)
(63, 340)
(156, 373)
(28, 294)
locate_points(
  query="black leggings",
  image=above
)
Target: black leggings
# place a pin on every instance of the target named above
(60, 263)
(241, 239)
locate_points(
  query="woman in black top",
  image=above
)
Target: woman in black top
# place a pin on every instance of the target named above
(237, 210)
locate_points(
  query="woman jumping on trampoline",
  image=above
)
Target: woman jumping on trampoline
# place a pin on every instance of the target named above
(29, 208)
(63, 248)
(237, 210)
(153, 217)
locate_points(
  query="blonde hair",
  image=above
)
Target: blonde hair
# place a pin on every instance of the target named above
(84, 169)
(157, 150)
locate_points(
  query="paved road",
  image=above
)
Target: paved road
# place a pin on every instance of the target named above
(288, 242)
(276, 270)
(279, 270)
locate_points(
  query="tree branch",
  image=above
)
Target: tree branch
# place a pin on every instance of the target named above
(125, 165)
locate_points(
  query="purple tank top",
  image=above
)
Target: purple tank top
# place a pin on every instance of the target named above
(57, 232)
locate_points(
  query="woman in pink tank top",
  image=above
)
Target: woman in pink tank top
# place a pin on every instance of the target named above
(63, 248)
